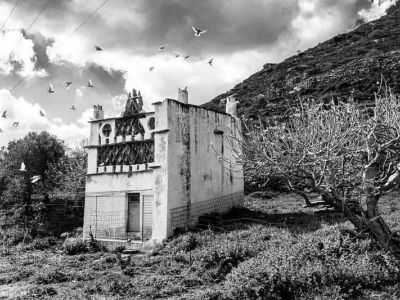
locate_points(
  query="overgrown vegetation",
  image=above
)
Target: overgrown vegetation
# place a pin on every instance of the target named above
(29, 208)
(338, 151)
(289, 253)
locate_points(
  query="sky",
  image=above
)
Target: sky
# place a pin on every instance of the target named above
(45, 42)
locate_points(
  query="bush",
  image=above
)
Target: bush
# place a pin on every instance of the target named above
(120, 249)
(376, 34)
(73, 246)
(43, 243)
(50, 276)
(41, 292)
(310, 266)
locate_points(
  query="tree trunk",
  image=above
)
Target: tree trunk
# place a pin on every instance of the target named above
(374, 223)
(377, 225)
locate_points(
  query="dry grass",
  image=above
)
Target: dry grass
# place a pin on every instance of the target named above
(277, 250)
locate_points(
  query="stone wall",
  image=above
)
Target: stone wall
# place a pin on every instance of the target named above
(201, 165)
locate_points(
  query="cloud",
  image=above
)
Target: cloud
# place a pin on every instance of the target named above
(118, 104)
(377, 9)
(17, 55)
(242, 37)
(29, 118)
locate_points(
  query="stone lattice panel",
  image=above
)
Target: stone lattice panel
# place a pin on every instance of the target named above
(129, 126)
(129, 153)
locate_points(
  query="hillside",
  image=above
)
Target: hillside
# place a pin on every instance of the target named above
(348, 64)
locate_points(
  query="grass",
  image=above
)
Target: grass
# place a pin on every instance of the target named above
(276, 250)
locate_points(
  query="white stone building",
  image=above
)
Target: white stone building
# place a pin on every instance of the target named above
(152, 172)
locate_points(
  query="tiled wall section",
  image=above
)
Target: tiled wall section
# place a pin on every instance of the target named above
(185, 216)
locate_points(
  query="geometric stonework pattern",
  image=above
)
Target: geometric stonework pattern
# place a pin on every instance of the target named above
(128, 153)
(129, 125)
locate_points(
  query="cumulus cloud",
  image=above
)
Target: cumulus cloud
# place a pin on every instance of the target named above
(17, 55)
(377, 9)
(118, 104)
(242, 37)
(27, 114)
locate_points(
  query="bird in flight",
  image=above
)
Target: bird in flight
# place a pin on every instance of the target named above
(4, 114)
(68, 84)
(50, 90)
(73, 107)
(98, 48)
(35, 178)
(162, 47)
(1, 131)
(90, 84)
(15, 124)
(186, 56)
(210, 62)
(198, 32)
(23, 167)
(177, 55)
(151, 69)
(42, 113)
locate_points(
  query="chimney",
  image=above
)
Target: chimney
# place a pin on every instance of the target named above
(98, 113)
(183, 96)
(231, 106)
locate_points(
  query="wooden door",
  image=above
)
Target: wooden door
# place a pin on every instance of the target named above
(134, 212)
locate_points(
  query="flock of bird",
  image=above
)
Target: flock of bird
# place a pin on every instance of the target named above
(197, 33)
(34, 179)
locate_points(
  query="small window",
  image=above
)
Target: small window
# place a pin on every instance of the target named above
(151, 123)
(106, 130)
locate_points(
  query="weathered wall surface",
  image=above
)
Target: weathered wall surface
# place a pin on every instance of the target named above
(106, 201)
(160, 173)
(199, 182)
(191, 173)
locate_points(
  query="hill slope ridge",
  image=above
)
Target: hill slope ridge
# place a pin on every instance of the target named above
(352, 63)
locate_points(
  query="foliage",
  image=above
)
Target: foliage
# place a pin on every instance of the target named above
(306, 267)
(36, 151)
(68, 174)
(73, 246)
(62, 177)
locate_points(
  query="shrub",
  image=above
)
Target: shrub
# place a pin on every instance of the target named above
(308, 267)
(43, 243)
(378, 33)
(40, 292)
(119, 249)
(50, 276)
(73, 246)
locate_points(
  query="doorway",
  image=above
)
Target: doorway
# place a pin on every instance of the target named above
(133, 212)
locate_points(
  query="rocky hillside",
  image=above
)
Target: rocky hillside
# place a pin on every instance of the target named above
(352, 63)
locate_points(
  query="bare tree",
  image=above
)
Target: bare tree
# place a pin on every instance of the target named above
(338, 151)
